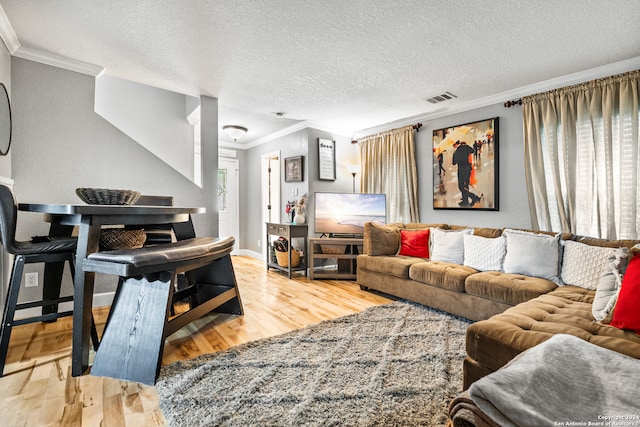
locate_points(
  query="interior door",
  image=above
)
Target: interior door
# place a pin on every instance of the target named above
(270, 173)
(228, 185)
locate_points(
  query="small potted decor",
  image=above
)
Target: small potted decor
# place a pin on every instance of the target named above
(301, 209)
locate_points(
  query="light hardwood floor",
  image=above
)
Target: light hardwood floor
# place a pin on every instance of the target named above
(38, 390)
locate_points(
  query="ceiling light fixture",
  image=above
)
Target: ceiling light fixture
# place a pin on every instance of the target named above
(235, 132)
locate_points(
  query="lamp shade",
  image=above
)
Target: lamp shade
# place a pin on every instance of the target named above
(235, 132)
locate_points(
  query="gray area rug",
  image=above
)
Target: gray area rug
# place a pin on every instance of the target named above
(398, 364)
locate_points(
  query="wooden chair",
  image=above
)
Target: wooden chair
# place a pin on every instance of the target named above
(52, 251)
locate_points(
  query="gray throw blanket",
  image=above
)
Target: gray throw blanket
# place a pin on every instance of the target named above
(565, 381)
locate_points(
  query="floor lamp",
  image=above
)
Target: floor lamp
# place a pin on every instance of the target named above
(354, 170)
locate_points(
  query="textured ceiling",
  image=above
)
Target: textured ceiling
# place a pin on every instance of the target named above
(346, 65)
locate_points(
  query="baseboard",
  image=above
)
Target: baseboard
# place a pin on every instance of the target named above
(250, 253)
(99, 300)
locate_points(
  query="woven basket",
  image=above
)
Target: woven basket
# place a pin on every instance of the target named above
(119, 238)
(332, 249)
(283, 258)
(105, 196)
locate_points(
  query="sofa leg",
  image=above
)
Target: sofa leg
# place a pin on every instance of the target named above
(364, 288)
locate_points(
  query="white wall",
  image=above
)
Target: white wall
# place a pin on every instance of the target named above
(154, 117)
(61, 144)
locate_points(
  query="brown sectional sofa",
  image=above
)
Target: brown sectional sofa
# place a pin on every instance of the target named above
(514, 312)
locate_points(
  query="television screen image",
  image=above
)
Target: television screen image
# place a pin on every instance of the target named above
(346, 213)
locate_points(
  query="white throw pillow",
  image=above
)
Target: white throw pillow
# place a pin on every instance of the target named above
(582, 264)
(448, 245)
(609, 284)
(484, 254)
(531, 254)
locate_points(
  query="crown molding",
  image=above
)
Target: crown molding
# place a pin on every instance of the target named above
(7, 34)
(301, 125)
(58, 61)
(10, 40)
(544, 86)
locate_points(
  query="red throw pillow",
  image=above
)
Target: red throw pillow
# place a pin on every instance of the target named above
(625, 313)
(414, 243)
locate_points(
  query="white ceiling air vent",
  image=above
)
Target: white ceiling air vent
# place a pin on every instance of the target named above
(441, 98)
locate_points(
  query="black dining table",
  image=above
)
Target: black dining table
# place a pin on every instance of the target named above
(89, 219)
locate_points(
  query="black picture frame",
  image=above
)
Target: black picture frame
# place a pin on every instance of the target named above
(294, 169)
(466, 166)
(326, 159)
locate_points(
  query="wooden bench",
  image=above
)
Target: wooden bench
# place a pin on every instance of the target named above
(133, 339)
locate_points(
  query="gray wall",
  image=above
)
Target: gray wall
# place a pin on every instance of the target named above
(301, 143)
(251, 224)
(514, 211)
(61, 143)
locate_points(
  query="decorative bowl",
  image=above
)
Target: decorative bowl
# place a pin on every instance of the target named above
(119, 238)
(105, 196)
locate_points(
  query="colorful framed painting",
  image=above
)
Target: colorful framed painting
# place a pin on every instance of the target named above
(465, 166)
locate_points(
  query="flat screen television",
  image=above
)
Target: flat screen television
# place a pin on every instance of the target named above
(345, 213)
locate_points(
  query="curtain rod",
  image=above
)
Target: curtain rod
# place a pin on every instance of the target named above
(513, 103)
(416, 127)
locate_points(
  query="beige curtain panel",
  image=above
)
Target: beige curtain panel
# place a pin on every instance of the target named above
(581, 158)
(389, 167)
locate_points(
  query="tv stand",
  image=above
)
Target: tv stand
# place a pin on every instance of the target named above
(344, 249)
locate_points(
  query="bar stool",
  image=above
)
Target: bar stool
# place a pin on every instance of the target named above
(52, 251)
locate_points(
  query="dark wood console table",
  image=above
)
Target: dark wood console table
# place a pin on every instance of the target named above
(288, 231)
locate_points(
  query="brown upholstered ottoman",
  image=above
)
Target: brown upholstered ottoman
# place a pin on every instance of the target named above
(491, 343)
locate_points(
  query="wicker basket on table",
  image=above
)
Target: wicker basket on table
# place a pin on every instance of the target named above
(105, 196)
(283, 258)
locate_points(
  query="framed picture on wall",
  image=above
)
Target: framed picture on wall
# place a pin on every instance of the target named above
(326, 159)
(293, 169)
(465, 166)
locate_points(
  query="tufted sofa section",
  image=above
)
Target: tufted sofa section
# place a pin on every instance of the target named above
(492, 343)
(450, 287)
(513, 312)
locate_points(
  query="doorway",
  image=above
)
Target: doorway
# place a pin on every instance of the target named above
(270, 183)
(228, 193)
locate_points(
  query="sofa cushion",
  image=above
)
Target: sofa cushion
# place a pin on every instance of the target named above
(625, 313)
(422, 226)
(483, 253)
(566, 310)
(414, 243)
(582, 264)
(480, 231)
(593, 241)
(395, 265)
(441, 274)
(508, 288)
(609, 285)
(448, 245)
(532, 254)
(381, 239)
